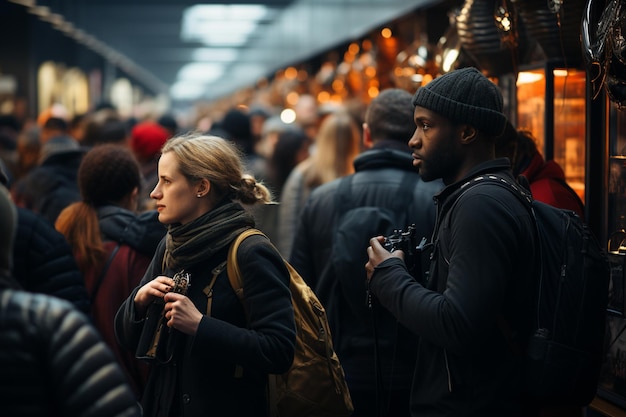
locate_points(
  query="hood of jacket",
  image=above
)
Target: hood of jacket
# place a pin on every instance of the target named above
(142, 231)
(384, 158)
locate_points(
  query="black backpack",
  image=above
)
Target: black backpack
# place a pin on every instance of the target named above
(354, 228)
(564, 355)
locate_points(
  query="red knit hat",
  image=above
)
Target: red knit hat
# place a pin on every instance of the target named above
(147, 138)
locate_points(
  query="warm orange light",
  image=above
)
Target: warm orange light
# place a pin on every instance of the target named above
(353, 48)
(323, 96)
(291, 73)
(292, 98)
(338, 85)
(372, 92)
(370, 72)
(386, 33)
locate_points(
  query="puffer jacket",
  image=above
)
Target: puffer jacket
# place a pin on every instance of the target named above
(54, 363)
(43, 261)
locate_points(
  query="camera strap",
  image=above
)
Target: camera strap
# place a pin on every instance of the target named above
(208, 290)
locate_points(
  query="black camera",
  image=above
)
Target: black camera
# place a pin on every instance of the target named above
(416, 254)
(157, 341)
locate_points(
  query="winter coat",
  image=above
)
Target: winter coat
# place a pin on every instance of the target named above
(54, 363)
(53, 185)
(483, 257)
(547, 184)
(378, 181)
(293, 198)
(223, 369)
(43, 261)
(130, 241)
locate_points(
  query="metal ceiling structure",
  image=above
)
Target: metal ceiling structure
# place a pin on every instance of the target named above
(147, 34)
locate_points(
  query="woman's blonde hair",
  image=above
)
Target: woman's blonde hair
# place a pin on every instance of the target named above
(221, 163)
(337, 143)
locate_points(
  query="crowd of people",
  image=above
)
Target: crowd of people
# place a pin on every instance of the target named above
(120, 231)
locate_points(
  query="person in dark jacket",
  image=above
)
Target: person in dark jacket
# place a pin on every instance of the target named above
(208, 364)
(51, 186)
(378, 182)
(112, 243)
(482, 258)
(53, 361)
(43, 260)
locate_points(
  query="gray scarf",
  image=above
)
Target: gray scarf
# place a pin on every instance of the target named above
(196, 241)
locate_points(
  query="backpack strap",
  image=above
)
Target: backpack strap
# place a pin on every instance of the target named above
(524, 196)
(236, 281)
(105, 269)
(232, 267)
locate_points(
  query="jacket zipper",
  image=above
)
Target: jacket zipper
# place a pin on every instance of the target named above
(445, 356)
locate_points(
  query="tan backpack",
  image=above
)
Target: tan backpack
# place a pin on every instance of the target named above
(315, 384)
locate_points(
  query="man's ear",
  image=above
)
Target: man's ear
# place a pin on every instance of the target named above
(367, 137)
(468, 134)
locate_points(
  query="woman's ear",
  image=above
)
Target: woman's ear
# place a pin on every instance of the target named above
(203, 187)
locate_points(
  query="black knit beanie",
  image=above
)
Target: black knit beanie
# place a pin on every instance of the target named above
(465, 96)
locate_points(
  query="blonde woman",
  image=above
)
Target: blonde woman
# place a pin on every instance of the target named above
(220, 362)
(336, 145)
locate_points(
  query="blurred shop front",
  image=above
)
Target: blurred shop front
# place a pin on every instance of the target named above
(43, 64)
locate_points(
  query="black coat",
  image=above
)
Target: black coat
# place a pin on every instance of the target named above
(483, 257)
(202, 379)
(54, 363)
(53, 185)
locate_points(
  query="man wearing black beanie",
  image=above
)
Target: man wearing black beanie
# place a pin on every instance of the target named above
(483, 253)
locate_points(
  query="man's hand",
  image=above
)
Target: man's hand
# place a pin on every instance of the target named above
(377, 254)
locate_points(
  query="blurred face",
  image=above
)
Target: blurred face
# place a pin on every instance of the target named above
(176, 198)
(436, 145)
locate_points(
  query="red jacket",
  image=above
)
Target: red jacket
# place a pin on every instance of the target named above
(123, 275)
(547, 184)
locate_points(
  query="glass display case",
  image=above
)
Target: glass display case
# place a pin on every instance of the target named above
(551, 105)
(613, 378)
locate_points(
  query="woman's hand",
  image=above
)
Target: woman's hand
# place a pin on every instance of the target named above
(181, 313)
(157, 288)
